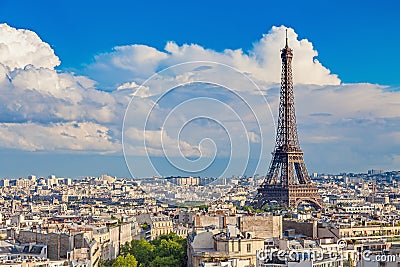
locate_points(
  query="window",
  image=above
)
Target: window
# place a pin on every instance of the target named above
(248, 247)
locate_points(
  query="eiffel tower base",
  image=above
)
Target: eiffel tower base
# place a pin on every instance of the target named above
(290, 196)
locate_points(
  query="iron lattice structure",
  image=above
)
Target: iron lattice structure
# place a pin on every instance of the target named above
(287, 180)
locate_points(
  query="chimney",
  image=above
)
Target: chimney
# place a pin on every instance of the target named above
(222, 222)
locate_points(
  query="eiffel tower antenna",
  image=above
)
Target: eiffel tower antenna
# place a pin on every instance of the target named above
(286, 40)
(287, 181)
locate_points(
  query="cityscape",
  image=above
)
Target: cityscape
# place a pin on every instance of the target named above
(192, 155)
(53, 221)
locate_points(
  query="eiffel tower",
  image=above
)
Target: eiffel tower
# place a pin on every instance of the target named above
(287, 181)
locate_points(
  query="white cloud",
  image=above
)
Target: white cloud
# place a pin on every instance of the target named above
(159, 143)
(125, 62)
(262, 62)
(42, 94)
(347, 101)
(308, 70)
(253, 137)
(19, 48)
(84, 137)
(42, 109)
(137, 90)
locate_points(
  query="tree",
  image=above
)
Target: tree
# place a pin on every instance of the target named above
(248, 208)
(167, 250)
(203, 207)
(145, 226)
(105, 263)
(141, 249)
(127, 261)
(171, 245)
(168, 261)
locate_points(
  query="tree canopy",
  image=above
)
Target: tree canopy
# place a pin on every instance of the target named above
(167, 250)
(125, 261)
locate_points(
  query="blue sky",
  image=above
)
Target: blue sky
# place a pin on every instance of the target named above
(353, 38)
(98, 46)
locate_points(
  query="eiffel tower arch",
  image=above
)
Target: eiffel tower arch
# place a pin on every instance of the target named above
(287, 180)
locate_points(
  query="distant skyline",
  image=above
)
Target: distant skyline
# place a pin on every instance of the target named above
(64, 91)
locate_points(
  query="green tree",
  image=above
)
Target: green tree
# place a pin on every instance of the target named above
(105, 263)
(145, 226)
(203, 207)
(248, 208)
(141, 249)
(168, 261)
(125, 261)
(171, 245)
(167, 250)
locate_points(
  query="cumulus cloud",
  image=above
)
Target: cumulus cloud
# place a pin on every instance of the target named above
(159, 143)
(44, 95)
(262, 62)
(308, 70)
(42, 109)
(19, 48)
(253, 137)
(124, 62)
(84, 137)
(136, 90)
